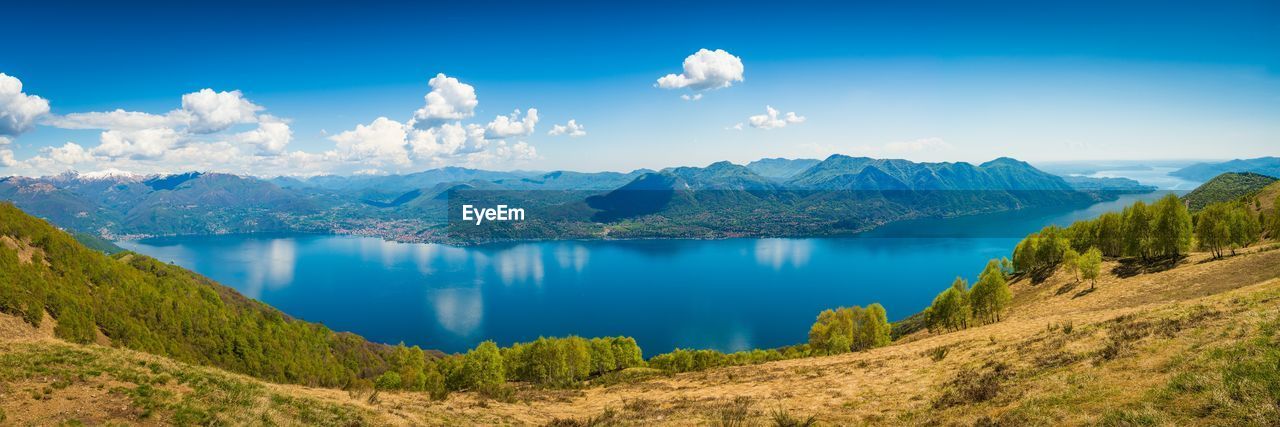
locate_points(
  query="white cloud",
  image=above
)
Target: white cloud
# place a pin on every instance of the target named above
(18, 111)
(694, 97)
(201, 135)
(271, 136)
(449, 100)
(512, 125)
(202, 112)
(918, 145)
(216, 111)
(136, 144)
(449, 140)
(6, 155)
(705, 70)
(68, 154)
(118, 119)
(772, 120)
(736, 126)
(382, 141)
(572, 129)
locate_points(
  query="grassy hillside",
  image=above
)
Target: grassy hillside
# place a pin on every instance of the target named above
(1226, 188)
(133, 301)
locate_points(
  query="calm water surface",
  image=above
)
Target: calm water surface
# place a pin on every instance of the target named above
(724, 294)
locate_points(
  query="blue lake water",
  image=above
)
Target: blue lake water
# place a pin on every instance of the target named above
(725, 294)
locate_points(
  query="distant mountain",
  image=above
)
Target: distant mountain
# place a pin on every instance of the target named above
(1226, 187)
(840, 172)
(188, 203)
(780, 168)
(1269, 166)
(569, 180)
(408, 182)
(838, 195)
(1115, 184)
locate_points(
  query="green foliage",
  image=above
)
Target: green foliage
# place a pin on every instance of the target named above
(143, 304)
(567, 361)
(1162, 229)
(685, 360)
(1171, 230)
(1223, 226)
(1090, 265)
(991, 296)
(1071, 262)
(388, 381)
(1271, 220)
(1227, 187)
(950, 309)
(849, 329)
(483, 370)
(1136, 229)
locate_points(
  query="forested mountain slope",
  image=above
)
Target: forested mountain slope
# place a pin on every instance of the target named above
(133, 301)
(1227, 187)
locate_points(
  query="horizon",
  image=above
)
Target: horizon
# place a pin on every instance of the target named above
(271, 90)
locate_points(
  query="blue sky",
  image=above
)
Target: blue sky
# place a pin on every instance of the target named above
(930, 81)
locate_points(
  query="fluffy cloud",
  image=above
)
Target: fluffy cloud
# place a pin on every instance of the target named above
(704, 70)
(118, 119)
(512, 125)
(18, 111)
(449, 100)
(772, 120)
(572, 129)
(694, 97)
(271, 136)
(382, 141)
(136, 144)
(68, 154)
(202, 135)
(202, 112)
(6, 155)
(446, 141)
(216, 111)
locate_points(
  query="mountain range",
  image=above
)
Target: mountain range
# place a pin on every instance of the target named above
(1202, 172)
(837, 195)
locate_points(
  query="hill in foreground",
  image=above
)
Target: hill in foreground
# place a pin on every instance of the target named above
(1193, 344)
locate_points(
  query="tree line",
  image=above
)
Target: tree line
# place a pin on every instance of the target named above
(959, 306)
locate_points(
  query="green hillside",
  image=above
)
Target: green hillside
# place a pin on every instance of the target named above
(1226, 187)
(133, 301)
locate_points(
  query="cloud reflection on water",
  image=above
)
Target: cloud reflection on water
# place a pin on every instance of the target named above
(777, 253)
(458, 310)
(271, 265)
(572, 255)
(520, 263)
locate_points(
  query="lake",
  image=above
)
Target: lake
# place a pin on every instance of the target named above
(728, 295)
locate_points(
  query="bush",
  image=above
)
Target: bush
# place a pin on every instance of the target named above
(388, 381)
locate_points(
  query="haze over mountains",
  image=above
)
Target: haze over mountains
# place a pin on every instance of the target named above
(697, 201)
(1202, 172)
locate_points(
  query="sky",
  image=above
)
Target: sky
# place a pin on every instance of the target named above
(306, 88)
